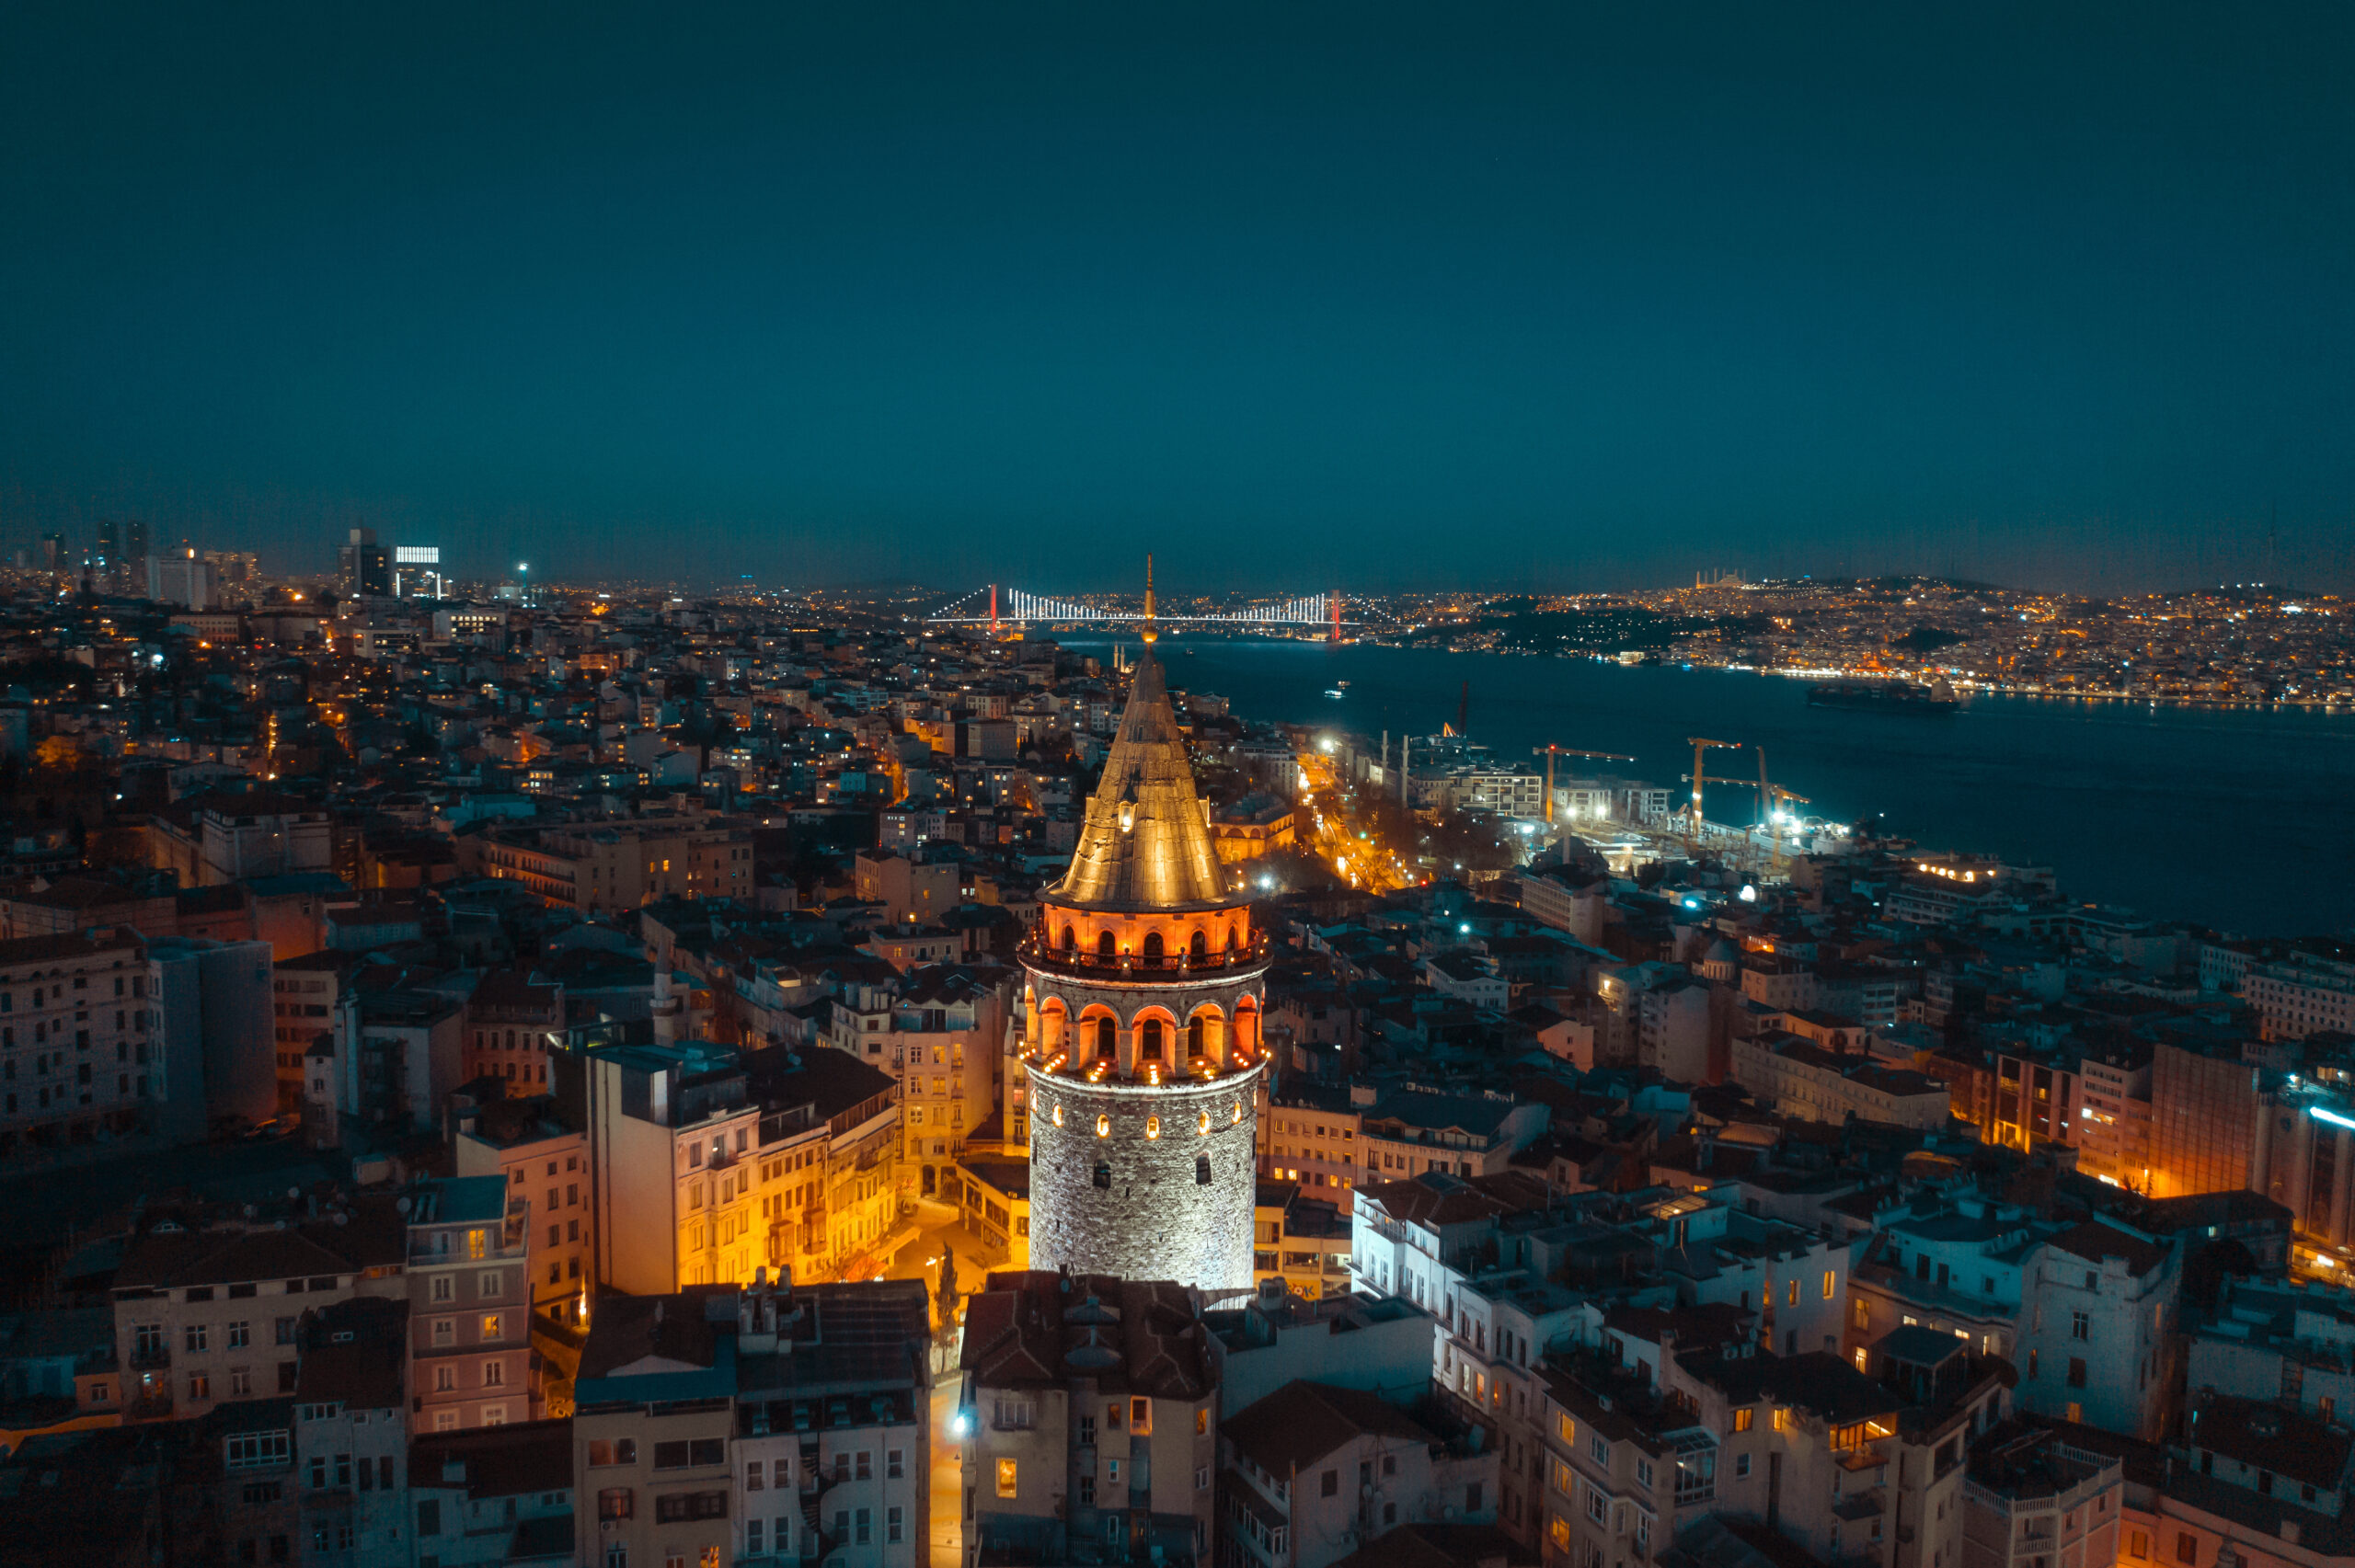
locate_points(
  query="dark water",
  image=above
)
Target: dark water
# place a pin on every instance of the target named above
(2239, 819)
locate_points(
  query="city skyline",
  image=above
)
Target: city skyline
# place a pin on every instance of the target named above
(1533, 302)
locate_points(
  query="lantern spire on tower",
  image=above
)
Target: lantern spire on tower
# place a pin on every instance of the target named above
(1150, 633)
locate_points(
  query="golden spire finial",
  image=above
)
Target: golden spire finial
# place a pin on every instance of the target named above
(1150, 634)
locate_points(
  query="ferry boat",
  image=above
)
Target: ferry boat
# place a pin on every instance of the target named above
(1884, 696)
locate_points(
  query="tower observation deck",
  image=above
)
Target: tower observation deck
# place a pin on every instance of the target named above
(1145, 984)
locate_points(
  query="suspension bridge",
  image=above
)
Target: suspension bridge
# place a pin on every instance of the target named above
(994, 606)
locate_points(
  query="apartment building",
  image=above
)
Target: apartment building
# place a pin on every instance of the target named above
(81, 1050)
(2038, 1099)
(1952, 1395)
(510, 1016)
(1313, 1474)
(833, 1440)
(2114, 1144)
(2084, 1312)
(2305, 994)
(1414, 1238)
(653, 1413)
(916, 886)
(2033, 1497)
(541, 1160)
(1622, 1464)
(470, 1304)
(670, 1133)
(304, 994)
(706, 1163)
(206, 1312)
(1089, 1409)
(827, 1174)
(1963, 1268)
(937, 1030)
(491, 1496)
(1270, 1338)
(1794, 1277)
(390, 1062)
(1488, 1365)
(613, 867)
(2098, 1342)
(772, 1423)
(232, 836)
(1299, 1240)
(1804, 1442)
(1799, 1078)
(1407, 1132)
(1309, 1135)
(350, 1431)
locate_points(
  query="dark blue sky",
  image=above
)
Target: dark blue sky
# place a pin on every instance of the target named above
(1295, 295)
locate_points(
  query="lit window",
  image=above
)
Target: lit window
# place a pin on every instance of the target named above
(1006, 1474)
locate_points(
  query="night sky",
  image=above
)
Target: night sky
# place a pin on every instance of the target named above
(1297, 296)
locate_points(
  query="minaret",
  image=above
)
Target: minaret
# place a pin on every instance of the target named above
(1141, 1027)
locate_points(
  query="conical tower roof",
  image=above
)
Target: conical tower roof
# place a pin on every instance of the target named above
(1146, 844)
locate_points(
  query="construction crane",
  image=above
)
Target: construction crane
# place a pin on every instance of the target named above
(1770, 799)
(1550, 752)
(1768, 795)
(1700, 752)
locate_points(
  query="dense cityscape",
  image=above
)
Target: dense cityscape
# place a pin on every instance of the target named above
(762, 1078)
(929, 785)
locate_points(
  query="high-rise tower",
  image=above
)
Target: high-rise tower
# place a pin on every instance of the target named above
(1141, 1029)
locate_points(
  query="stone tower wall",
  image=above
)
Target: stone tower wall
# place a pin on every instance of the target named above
(1155, 1219)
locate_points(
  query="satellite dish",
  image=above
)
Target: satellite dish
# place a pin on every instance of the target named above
(251, 1211)
(293, 1194)
(342, 1218)
(402, 1207)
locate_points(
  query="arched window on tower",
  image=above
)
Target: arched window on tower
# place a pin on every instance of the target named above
(1149, 1040)
(1153, 946)
(1104, 945)
(1104, 1174)
(1194, 1042)
(1200, 945)
(1108, 1039)
(1071, 941)
(1201, 1170)
(1230, 939)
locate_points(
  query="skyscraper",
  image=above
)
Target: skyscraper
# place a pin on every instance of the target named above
(363, 566)
(1141, 1038)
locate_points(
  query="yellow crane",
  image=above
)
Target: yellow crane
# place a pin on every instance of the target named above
(1769, 794)
(1550, 752)
(1700, 752)
(1771, 797)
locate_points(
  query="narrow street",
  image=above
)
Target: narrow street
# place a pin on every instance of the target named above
(938, 1236)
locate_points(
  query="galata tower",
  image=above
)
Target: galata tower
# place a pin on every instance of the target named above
(1141, 1029)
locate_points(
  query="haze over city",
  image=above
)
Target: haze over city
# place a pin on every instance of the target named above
(1529, 298)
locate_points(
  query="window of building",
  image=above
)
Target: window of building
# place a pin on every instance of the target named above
(2076, 1371)
(2187, 1549)
(2081, 1326)
(1006, 1478)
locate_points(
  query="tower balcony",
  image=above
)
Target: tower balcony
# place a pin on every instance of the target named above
(1115, 968)
(1194, 1072)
